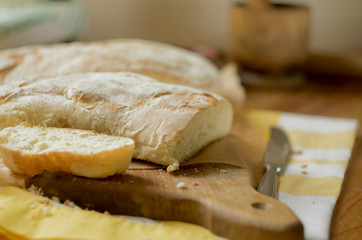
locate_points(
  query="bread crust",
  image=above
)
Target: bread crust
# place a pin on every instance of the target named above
(164, 62)
(157, 116)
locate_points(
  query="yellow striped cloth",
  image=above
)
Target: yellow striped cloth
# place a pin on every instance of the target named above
(312, 179)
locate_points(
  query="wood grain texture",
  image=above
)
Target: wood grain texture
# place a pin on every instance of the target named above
(219, 197)
(334, 97)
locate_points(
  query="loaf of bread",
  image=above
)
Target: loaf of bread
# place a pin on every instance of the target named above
(169, 123)
(31, 150)
(163, 62)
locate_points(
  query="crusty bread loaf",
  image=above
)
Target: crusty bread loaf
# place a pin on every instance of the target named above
(161, 61)
(169, 123)
(31, 150)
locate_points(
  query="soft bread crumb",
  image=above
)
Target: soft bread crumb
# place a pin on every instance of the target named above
(173, 167)
(35, 190)
(181, 185)
(32, 150)
(48, 201)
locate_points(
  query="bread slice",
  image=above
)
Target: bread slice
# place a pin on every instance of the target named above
(169, 123)
(32, 150)
(163, 62)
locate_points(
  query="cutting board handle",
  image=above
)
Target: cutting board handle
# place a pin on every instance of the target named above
(257, 217)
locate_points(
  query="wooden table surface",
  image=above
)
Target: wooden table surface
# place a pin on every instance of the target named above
(335, 97)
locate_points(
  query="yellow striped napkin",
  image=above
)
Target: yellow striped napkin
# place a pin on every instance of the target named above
(312, 179)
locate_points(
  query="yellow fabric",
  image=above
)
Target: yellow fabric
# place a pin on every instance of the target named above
(302, 185)
(27, 216)
(343, 139)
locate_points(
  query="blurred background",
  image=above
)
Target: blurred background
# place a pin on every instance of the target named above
(335, 26)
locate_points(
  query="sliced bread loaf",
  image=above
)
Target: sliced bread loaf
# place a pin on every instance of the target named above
(169, 123)
(32, 150)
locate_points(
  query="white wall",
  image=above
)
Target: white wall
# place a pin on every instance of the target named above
(336, 24)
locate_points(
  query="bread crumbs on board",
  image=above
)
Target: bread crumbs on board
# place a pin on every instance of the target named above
(34, 189)
(181, 185)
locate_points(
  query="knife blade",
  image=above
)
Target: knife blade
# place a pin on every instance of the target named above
(276, 153)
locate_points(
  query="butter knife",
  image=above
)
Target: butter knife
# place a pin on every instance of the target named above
(276, 153)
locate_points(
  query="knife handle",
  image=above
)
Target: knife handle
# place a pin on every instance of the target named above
(268, 184)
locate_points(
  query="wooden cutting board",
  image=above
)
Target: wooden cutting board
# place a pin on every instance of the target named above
(216, 189)
(220, 197)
